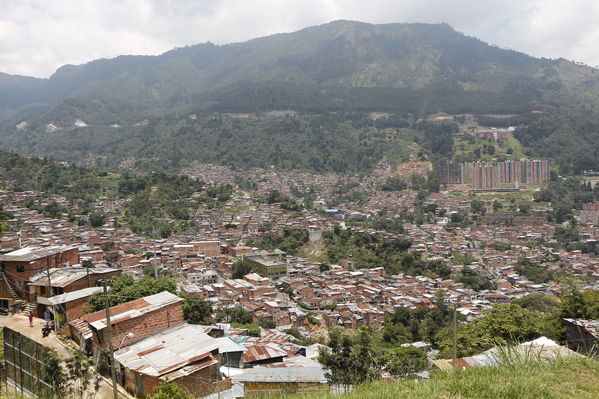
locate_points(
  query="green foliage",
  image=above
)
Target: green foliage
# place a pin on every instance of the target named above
(538, 303)
(97, 219)
(580, 304)
(196, 310)
(291, 240)
(348, 361)
(403, 361)
(265, 323)
(564, 378)
(169, 390)
(79, 374)
(394, 183)
(387, 224)
(236, 314)
(501, 324)
(472, 280)
(420, 324)
(242, 267)
(533, 271)
(125, 288)
(458, 258)
(569, 137)
(566, 235)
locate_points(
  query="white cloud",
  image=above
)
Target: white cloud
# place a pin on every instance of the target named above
(38, 36)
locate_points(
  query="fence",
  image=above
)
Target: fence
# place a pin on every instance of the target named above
(27, 365)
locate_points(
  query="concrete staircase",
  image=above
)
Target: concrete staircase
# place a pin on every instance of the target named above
(27, 307)
(11, 288)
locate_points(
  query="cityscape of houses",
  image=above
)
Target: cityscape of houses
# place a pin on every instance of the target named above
(46, 270)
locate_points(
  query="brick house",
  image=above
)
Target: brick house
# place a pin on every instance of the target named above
(182, 354)
(141, 317)
(53, 282)
(17, 267)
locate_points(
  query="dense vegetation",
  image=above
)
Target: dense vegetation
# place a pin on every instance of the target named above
(159, 203)
(569, 137)
(161, 113)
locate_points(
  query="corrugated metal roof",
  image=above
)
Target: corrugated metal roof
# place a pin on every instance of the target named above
(262, 352)
(71, 296)
(170, 350)
(132, 309)
(294, 370)
(227, 345)
(61, 277)
(32, 253)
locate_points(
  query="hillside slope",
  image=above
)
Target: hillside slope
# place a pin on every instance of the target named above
(412, 70)
(561, 379)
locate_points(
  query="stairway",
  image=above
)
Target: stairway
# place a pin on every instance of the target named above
(11, 289)
(27, 307)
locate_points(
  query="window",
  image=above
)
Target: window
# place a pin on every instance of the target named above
(20, 268)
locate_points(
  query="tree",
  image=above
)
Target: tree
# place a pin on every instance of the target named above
(241, 268)
(346, 361)
(404, 360)
(126, 288)
(478, 207)
(54, 373)
(169, 390)
(580, 305)
(196, 310)
(394, 183)
(79, 368)
(97, 219)
(236, 314)
(497, 206)
(501, 324)
(538, 303)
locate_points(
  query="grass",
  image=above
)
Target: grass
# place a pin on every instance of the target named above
(533, 379)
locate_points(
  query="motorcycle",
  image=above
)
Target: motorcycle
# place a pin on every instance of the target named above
(46, 330)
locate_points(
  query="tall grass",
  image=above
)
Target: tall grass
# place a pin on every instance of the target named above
(517, 375)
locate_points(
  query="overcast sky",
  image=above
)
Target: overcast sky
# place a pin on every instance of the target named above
(38, 36)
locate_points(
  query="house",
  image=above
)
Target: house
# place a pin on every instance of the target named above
(582, 335)
(296, 375)
(18, 266)
(57, 281)
(70, 306)
(131, 322)
(230, 352)
(182, 354)
(542, 348)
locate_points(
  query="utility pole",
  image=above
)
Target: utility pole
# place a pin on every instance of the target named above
(455, 337)
(154, 260)
(110, 348)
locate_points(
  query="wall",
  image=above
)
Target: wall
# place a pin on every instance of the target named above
(142, 326)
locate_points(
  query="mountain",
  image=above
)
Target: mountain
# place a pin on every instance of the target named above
(342, 66)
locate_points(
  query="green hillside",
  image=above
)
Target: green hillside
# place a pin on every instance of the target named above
(145, 107)
(561, 379)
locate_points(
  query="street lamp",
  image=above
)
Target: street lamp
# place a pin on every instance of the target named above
(130, 335)
(118, 372)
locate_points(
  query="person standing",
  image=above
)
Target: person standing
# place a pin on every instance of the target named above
(30, 315)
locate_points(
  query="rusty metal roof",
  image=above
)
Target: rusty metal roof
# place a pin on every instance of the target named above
(28, 254)
(262, 352)
(132, 309)
(176, 351)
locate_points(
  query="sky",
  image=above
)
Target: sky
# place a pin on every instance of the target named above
(38, 36)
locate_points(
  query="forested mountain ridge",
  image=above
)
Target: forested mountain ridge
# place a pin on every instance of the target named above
(342, 66)
(340, 54)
